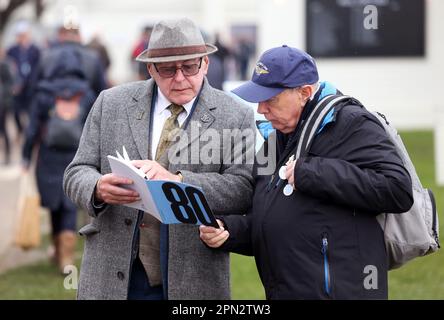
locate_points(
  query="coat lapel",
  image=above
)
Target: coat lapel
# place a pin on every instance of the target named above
(139, 112)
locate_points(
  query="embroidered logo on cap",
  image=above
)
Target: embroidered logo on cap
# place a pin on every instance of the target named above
(261, 68)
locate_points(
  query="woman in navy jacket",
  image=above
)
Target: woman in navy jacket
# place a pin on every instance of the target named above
(66, 84)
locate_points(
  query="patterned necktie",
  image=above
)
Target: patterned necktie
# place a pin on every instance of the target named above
(169, 129)
(149, 239)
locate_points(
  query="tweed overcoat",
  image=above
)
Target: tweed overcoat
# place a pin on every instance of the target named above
(120, 117)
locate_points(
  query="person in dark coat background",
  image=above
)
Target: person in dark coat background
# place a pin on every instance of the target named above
(6, 84)
(90, 63)
(66, 83)
(215, 73)
(317, 241)
(140, 46)
(216, 69)
(25, 56)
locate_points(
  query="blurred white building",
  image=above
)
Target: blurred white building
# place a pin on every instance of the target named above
(407, 90)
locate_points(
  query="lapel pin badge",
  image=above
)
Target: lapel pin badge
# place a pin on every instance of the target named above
(288, 190)
(205, 118)
(140, 115)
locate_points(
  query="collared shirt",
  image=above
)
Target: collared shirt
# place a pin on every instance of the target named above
(161, 114)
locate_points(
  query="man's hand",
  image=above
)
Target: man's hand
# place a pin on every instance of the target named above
(289, 173)
(213, 237)
(154, 171)
(109, 190)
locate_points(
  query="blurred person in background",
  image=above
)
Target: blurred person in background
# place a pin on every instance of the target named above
(6, 85)
(140, 46)
(61, 103)
(216, 72)
(26, 57)
(90, 63)
(98, 46)
(69, 76)
(244, 51)
(223, 54)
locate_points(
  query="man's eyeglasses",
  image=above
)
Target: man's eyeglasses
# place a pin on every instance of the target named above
(187, 69)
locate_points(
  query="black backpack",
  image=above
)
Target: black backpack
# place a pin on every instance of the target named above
(66, 83)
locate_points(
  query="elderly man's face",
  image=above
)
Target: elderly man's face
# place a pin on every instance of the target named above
(285, 109)
(180, 88)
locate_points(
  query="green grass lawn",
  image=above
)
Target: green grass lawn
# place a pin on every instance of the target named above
(41, 280)
(420, 279)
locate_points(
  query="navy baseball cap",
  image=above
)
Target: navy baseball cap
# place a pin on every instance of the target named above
(278, 69)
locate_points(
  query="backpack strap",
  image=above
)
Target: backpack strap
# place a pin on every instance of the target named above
(315, 119)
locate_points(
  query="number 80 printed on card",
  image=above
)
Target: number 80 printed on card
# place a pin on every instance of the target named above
(170, 202)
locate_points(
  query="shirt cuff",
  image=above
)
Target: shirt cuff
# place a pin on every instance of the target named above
(180, 175)
(97, 204)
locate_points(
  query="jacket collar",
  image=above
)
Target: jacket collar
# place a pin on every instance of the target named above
(139, 112)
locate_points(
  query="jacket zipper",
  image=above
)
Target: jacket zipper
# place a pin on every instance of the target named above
(327, 275)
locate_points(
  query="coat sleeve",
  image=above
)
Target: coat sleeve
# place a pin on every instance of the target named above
(231, 189)
(83, 172)
(239, 241)
(366, 174)
(32, 131)
(38, 118)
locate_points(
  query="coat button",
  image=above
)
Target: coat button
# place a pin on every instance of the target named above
(120, 275)
(128, 222)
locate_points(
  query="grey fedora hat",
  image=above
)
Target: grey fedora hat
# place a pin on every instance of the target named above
(174, 40)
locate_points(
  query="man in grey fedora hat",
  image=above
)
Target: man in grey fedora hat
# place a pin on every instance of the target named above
(129, 254)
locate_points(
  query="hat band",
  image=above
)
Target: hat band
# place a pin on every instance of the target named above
(178, 51)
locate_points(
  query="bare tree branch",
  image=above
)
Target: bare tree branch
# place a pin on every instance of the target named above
(6, 13)
(39, 8)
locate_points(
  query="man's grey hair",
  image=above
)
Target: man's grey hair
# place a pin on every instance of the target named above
(314, 86)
